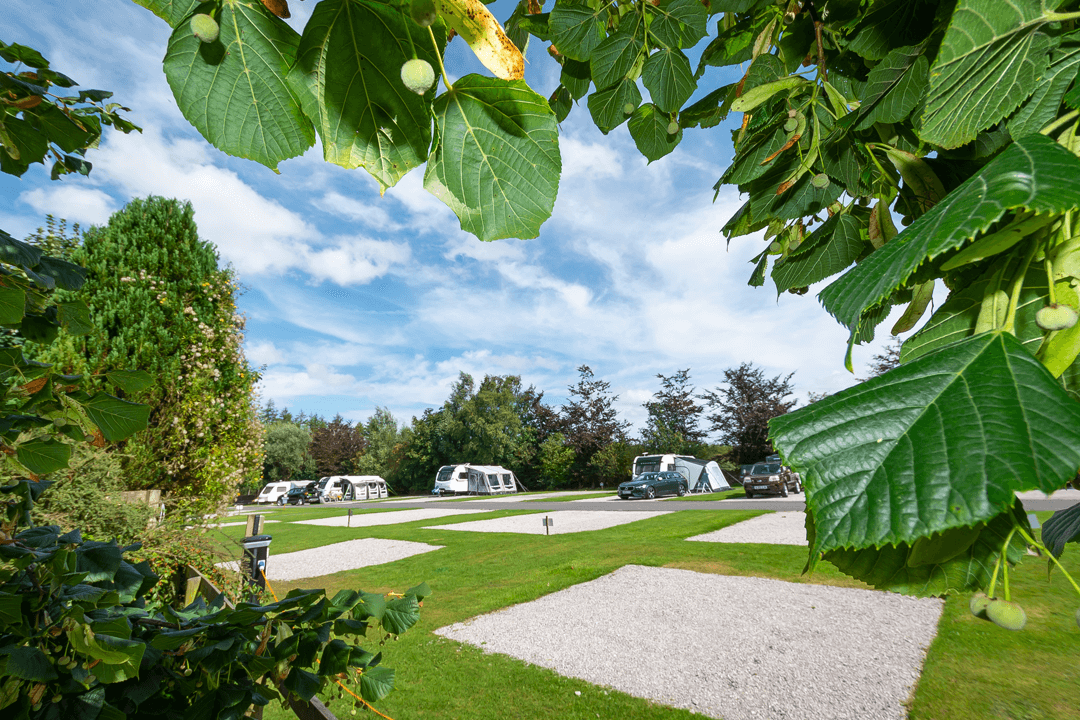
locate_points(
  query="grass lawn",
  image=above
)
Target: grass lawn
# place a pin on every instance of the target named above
(974, 669)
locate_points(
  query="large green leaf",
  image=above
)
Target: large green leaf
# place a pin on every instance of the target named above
(235, 90)
(376, 683)
(669, 79)
(1045, 102)
(576, 29)
(74, 317)
(608, 106)
(12, 305)
(894, 87)
(890, 568)
(1062, 528)
(944, 441)
(734, 45)
(649, 128)
(1034, 173)
(171, 11)
(681, 23)
(989, 61)
(347, 75)
(829, 249)
(497, 161)
(613, 58)
(30, 663)
(42, 457)
(116, 418)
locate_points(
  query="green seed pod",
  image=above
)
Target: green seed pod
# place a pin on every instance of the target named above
(628, 108)
(790, 125)
(1056, 316)
(820, 181)
(1006, 614)
(978, 604)
(418, 75)
(204, 27)
(672, 127)
(423, 12)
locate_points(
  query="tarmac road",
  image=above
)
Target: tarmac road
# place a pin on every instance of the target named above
(1032, 501)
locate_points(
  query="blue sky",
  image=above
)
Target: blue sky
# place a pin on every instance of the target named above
(355, 301)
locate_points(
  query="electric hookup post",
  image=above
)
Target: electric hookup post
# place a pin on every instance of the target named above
(256, 550)
(548, 524)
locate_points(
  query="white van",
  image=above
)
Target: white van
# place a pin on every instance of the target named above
(275, 491)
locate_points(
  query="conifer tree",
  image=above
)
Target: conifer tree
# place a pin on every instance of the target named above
(160, 303)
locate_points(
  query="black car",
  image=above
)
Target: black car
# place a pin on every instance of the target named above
(301, 496)
(653, 484)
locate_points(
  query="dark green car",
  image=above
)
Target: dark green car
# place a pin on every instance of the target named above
(653, 484)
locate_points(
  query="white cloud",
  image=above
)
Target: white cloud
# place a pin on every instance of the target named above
(74, 203)
(594, 161)
(355, 260)
(263, 352)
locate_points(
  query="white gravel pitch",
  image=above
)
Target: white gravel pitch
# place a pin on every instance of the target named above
(566, 521)
(736, 648)
(341, 556)
(385, 518)
(778, 528)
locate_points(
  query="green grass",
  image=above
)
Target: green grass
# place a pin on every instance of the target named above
(974, 669)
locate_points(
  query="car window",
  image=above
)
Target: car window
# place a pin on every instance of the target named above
(765, 469)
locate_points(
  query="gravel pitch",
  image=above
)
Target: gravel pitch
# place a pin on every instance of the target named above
(737, 648)
(566, 521)
(338, 557)
(778, 528)
(385, 518)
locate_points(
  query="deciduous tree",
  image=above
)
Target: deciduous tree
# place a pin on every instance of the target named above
(337, 447)
(742, 407)
(674, 414)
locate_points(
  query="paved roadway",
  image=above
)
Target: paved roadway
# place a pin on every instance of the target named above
(1032, 501)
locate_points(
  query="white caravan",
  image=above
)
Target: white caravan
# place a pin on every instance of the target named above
(275, 491)
(469, 479)
(701, 475)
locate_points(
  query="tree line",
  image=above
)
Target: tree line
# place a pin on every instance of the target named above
(499, 421)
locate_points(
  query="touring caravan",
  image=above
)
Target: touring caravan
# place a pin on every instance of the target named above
(469, 479)
(701, 475)
(275, 491)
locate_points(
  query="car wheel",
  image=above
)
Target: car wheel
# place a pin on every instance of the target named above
(300, 501)
(783, 490)
(798, 487)
(281, 500)
(650, 493)
(681, 492)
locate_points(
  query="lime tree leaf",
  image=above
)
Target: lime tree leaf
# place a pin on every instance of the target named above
(235, 91)
(171, 11)
(966, 427)
(1045, 102)
(734, 45)
(829, 249)
(131, 381)
(614, 57)
(894, 87)
(30, 663)
(401, 614)
(1063, 527)
(891, 24)
(710, 110)
(12, 305)
(889, 567)
(74, 317)
(668, 77)
(348, 77)
(752, 161)
(576, 29)
(497, 160)
(116, 418)
(681, 23)
(376, 683)
(42, 457)
(989, 62)
(649, 128)
(576, 78)
(608, 106)
(1034, 173)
